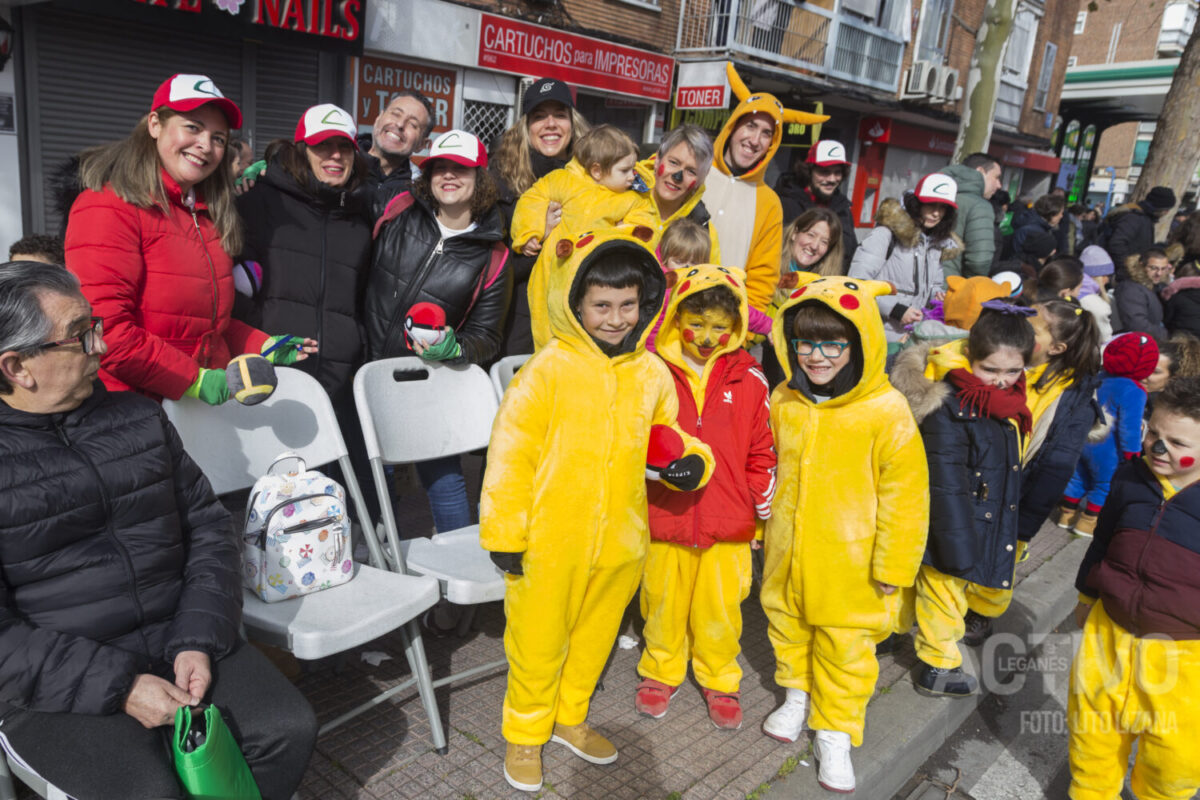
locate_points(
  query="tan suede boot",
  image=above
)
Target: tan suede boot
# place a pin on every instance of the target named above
(1064, 515)
(523, 766)
(1085, 526)
(585, 743)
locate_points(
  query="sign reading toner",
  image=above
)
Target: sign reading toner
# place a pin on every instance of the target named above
(519, 47)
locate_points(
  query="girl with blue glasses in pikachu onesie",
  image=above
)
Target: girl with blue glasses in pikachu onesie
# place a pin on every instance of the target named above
(564, 495)
(850, 515)
(698, 567)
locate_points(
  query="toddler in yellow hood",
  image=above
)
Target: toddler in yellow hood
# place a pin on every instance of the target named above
(564, 496)
(849, 519)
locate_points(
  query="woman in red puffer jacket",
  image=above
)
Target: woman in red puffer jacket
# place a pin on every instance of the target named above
(150, 237)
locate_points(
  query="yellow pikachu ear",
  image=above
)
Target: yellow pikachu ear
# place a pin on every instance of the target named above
(877, 288)
(803, 117)
(740, 90)
(738, 273)
(955, 282)
(805, 278)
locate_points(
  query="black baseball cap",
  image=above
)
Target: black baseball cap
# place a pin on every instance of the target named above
(544, 89)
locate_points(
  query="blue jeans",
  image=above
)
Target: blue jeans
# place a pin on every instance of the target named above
(447, 489)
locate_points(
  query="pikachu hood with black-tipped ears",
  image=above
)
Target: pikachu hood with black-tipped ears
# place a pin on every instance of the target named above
(853, 299)
(573, 257)
(688, 281)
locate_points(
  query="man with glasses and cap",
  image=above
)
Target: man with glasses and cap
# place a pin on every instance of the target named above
(120, 595)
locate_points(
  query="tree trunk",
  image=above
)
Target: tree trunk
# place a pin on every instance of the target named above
(1175, 149)
(983, 79)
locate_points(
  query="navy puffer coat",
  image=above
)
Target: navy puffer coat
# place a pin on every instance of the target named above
(115, 555)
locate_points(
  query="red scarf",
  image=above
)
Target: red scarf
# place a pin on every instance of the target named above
(988, 400)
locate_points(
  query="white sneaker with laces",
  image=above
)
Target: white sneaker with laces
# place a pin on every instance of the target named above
(834, 770)
(786, 723)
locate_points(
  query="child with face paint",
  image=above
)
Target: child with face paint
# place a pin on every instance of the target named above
(1128, 359)
(969, 399)
(849, 520)
(1136, 675)
(698, 565)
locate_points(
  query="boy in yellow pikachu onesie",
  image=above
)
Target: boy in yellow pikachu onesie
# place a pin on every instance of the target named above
(746, 212)
(564, 496)
(849, 520)
(698, 568)
(593, 191)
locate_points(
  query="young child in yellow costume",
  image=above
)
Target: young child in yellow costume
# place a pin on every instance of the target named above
(850, 514)
(1136, 677)
(698, 568)
(746, 211)
(592, 192)
(564, 496)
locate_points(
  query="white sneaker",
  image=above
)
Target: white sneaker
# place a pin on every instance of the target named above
(832, 751)
(786, 723)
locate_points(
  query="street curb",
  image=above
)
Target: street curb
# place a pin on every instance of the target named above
(904, 728)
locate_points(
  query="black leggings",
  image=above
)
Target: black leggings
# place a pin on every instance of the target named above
(97, 758)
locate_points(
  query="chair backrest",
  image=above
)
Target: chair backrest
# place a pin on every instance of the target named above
(235, 444)
(503, 370)
(416, 410)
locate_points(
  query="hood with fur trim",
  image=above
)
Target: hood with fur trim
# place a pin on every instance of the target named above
(1138, 273)
(853, 299)
(909, 376)
(892, 215)
(688, 281)
(574, 256)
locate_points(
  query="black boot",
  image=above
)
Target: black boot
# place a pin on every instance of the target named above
(888, 645)
(953, 682)
(979, 628)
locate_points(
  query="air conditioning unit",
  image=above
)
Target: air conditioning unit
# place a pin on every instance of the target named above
(947, 85)
(921, 80)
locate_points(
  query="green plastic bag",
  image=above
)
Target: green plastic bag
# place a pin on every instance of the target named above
(208, 760)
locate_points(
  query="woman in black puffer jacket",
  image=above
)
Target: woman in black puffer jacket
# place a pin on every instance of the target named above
(442, 244)
(308, 244)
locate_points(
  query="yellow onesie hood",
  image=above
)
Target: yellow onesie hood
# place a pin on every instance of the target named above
(945, 357)
(749, 104)
(688, 281)
(574, 256)
(853, 299)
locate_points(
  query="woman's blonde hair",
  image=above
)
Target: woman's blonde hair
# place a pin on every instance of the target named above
(132, 167)
(512, 160)
(831, 262)
(686, 241)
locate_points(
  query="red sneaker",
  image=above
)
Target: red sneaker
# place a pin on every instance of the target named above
(724, 709)
(653, 697)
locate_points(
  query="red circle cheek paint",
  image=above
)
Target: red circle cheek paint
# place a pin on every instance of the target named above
(660, 169)
(689, 335)
(691, 185)
(724, 340)
(1186, 461)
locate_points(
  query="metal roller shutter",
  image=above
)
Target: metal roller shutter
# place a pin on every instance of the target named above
(94, 80)
(285, 85)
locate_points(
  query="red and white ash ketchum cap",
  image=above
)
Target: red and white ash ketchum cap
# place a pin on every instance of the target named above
(321, 122)
(937, 188)
(188, 92)
(827, 153)
(460, 147)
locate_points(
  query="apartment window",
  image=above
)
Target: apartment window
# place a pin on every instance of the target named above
(1080, 21)
(1020, 47)
(935, 30)
(1043, 87)
(1178, 20)
(1072, 61)
(1113, 41)
(1141, 146)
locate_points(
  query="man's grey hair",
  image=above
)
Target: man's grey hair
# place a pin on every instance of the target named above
(23, 323)
(697, 140)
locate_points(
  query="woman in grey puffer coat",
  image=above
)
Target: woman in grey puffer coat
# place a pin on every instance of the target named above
(910, 240)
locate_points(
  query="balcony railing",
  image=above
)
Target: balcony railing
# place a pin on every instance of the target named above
(797, 35)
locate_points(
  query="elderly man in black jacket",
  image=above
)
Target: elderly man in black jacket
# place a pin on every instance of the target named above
(119, 572)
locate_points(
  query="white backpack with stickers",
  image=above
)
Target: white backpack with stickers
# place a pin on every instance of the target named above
(296, 539)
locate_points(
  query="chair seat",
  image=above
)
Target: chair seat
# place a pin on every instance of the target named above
(325, 623)
(457, 560)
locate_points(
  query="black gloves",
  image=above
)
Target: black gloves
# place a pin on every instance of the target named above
(508, 562)
(684, 473)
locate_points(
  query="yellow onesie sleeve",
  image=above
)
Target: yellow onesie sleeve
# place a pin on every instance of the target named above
(529, 214)
(902, 515)
(762, 263)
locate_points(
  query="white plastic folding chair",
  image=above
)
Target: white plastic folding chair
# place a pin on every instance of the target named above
(413, 410)
(503, 370)
(234, 445)
(12, 766)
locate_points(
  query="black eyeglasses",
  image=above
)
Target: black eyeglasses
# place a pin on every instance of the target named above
(805, 347)
(88, 339)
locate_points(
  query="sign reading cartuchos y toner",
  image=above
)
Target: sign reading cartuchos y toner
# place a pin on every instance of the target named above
(514, 46)
(333, 25)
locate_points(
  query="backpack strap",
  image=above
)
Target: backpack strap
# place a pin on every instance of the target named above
(497, 258)
(395, 207)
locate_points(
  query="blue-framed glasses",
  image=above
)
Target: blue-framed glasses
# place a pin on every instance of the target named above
(805, 347)
(89, 339)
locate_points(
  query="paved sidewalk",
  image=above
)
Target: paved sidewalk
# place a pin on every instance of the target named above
(387, 753)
